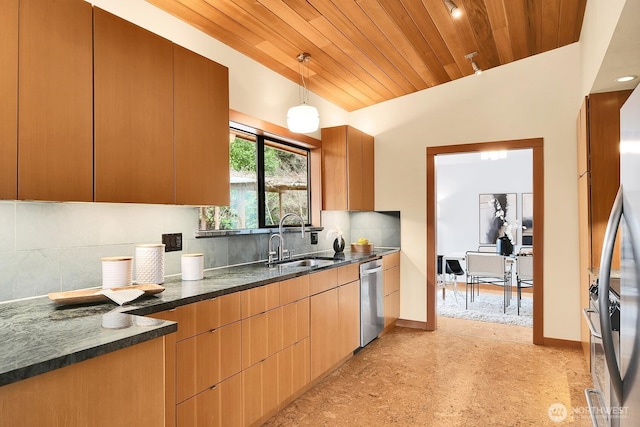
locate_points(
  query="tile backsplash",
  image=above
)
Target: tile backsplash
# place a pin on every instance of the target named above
(49, 247)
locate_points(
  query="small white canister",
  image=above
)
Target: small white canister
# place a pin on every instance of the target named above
(192, 266)
(150, 263)
(116, 271)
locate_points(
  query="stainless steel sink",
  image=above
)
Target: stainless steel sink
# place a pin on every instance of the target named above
(306, 262)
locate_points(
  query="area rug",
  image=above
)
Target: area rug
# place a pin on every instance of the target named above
(486, 308)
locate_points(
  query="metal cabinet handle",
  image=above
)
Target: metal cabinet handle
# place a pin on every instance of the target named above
(592, 328)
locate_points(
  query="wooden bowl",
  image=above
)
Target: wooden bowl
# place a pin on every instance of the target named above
(362, 248)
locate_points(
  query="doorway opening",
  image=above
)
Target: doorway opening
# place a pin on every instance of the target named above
(535, 147)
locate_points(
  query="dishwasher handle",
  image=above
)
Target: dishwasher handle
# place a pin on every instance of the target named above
(372, 270)
(592, 329)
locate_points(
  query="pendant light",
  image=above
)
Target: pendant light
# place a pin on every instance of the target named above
(303, 118)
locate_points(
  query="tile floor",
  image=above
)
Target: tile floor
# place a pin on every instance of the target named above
(464, 374)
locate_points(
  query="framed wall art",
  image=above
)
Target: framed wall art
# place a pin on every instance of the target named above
(527, 219)
(497, 214)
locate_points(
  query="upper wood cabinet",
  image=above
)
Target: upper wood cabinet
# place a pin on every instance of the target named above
(201, 114)
(55, 101)
(599, 163)
(134, 160)
(9, 100)
(347, 169)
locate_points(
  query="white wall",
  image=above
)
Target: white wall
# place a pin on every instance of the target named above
(537, 97)
(460, 178)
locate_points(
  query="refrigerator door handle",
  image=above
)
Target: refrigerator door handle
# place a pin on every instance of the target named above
(603, 295)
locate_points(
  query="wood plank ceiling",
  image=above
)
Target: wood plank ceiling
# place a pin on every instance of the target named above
(367, 51)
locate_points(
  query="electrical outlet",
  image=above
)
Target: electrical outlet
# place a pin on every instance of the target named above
(172, 242)
(314, 238)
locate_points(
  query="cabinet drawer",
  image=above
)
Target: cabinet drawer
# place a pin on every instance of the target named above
(391, 280)
(348, 273)
(258, 300)
(323, 281)
(216, 312)
(261, 336)
(294, 289)
(218, 406)
(206, 359)
(391, 260)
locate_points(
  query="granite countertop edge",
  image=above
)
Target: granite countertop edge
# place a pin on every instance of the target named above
(38, 336)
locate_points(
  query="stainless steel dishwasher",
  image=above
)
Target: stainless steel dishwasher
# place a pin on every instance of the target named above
(371, 301)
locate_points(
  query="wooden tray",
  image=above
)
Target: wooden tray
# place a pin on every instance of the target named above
(84, 296)
(362, 248)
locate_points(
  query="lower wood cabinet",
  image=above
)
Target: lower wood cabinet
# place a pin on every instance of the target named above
(324, 330)
(335, 326)
(260, 391)
(293, 371)
(391, 267)
(220, 405)
(122, 388)
(348, 318)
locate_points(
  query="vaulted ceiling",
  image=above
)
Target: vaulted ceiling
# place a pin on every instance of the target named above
(367, 51)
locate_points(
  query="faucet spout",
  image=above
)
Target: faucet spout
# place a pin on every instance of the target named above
(281, 249)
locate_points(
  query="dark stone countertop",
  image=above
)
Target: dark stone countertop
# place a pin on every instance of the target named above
(37, 336)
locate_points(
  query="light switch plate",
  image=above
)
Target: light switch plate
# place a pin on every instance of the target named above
(172, 242)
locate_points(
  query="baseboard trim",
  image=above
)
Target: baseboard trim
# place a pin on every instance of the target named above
(412, 324)
(554, 342)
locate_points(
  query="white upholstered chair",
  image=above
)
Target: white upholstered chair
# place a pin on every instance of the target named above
(488, 268)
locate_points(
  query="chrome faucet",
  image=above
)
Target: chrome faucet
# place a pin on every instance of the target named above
(282, 252)
(272, 253)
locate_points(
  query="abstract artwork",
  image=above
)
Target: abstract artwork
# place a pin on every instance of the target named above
(497, 214)
(527, 219)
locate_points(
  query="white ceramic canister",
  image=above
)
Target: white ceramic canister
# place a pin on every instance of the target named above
(192, 266)
(150, 263)
(116, 271)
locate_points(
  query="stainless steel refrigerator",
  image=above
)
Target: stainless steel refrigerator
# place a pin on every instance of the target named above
(622, 348)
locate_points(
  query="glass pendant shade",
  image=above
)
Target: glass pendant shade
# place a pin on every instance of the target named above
(303, 118)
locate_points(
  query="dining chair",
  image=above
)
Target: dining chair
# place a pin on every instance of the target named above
(524, 275)
(487, 248)
(488, 268)
(452, 268)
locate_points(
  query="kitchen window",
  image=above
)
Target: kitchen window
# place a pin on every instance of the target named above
(268, 179)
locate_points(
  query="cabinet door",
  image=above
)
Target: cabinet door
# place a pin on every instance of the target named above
(323, 333)
(293, 371)
(354, 170)
(55, 101)
(368, 173)
(391, 308)
(334, 168)
(201, 114)
(348, 318)
(260, 391)
(9, 100)
(213, 313)
(133, 113)
(218, 406)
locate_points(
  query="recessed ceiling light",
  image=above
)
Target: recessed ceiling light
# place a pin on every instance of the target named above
(626, 79)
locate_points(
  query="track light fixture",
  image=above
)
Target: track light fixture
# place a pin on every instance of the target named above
(303, 118)
(476, 68)
(453, 8)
